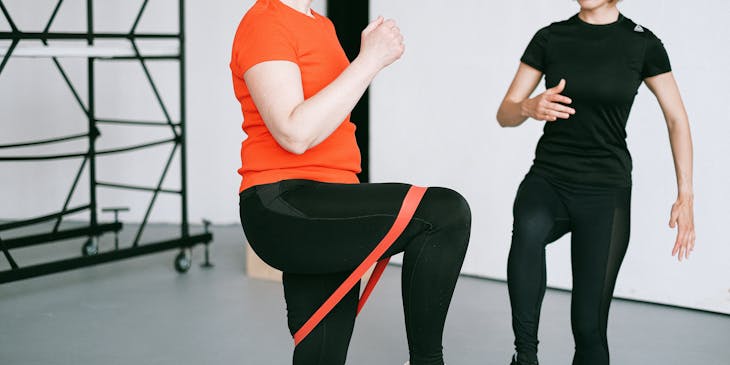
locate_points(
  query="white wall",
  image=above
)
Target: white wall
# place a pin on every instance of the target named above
(35, 103)
(433, 123)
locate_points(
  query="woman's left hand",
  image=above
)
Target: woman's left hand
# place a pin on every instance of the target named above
(682, 216)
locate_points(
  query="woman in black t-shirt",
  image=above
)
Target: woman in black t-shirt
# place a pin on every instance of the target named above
(580, 181)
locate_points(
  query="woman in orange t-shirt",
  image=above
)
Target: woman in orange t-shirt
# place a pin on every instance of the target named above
(302, 208)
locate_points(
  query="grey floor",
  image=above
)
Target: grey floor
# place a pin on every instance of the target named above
(140, 311)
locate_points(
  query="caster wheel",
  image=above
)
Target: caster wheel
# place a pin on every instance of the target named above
(90, 248)
(182, 262)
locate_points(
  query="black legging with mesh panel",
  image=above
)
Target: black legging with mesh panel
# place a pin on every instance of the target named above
(317, 233)
(598, 220)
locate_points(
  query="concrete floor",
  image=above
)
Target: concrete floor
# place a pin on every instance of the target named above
(140, 311)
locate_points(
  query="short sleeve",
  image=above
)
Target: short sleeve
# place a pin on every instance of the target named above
(536, 53)
(261, 40)
(656, 60)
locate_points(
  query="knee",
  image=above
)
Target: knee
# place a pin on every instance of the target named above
(587, 333)
(447, 208)
(532, 228)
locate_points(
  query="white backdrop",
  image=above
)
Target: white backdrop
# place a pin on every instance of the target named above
(433, 123)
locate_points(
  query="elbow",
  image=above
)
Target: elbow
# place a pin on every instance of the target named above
(296, 149)
(288, 136)
(502, 119)
(293, 142)
(294, 145)
(677, 125)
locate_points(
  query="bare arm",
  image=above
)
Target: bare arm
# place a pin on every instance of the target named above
(666, 91)
(298, 124)
(517, 105)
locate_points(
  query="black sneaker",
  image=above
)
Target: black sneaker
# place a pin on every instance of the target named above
(514, 361)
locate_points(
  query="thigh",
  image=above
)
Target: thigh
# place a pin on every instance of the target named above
(439, 207)
(539, 212)
(307, 227)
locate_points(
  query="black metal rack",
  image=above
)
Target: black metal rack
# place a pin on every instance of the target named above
(91, 254)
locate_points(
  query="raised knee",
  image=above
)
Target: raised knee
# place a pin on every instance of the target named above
(450, 207)
(533, 226)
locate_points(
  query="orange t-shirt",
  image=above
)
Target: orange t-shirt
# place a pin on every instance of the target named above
(270, 31)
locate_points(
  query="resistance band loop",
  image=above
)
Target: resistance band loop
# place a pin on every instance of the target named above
(410, 204)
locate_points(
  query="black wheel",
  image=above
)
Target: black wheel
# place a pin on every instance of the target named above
(182, 262)
(90, 248)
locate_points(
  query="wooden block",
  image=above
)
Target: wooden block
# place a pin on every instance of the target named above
(257, 268)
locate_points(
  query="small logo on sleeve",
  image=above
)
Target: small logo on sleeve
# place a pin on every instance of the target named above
(639, 29)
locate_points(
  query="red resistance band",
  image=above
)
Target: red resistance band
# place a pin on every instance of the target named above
(410, 204)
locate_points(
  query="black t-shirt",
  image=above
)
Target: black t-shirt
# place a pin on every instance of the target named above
(603, 66)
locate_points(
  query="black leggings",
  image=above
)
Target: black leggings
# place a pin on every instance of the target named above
(598, 220)
(317, 233)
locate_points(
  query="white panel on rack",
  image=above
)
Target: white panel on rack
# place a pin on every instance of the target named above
(100, 51)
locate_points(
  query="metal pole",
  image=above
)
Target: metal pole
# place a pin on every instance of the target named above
(183, 121)
(91, 116)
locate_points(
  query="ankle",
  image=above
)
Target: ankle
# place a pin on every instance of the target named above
(524, 359)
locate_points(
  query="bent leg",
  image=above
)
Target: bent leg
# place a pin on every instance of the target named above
(310, 228)
(431, 267)
(539, 218)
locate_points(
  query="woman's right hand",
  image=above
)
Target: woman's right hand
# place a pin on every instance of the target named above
(381, 43)
(548, 106)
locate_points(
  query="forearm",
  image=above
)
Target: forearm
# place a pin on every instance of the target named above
(511, 114)
(682, 214)
(313, 120)
(681, 142)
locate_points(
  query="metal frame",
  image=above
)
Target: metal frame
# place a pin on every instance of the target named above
(185, 242)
